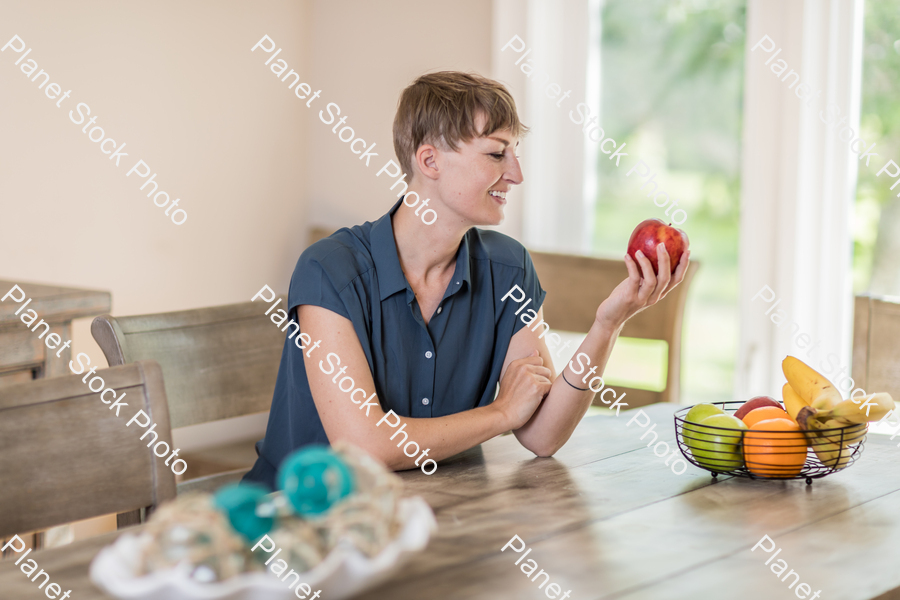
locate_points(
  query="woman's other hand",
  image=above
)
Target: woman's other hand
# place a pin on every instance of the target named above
(522, 388)
(642, 289)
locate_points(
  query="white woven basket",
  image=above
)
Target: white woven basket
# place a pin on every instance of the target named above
(344, 572)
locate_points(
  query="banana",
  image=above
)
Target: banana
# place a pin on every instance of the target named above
(833, 426)
(813, 387)
(861, 410)
(792, 401)
(848, 435)
(832, 454)
(877, 406)
(832, 447)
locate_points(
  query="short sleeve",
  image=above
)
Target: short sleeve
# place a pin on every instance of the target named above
(315, 283)
(531, 285)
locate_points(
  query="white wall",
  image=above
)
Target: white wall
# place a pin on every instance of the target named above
(177, 83)
(252, 165)
(363, 55)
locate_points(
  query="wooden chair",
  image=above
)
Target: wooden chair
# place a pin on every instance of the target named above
(64, 456)
(218, 362)
(876, 350)
(575, 287)
(317, 233)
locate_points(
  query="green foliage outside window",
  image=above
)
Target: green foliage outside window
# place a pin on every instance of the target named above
(672, 77)
(876, 232)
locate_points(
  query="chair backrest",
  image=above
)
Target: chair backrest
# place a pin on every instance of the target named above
(575, 287)
(219, 362)
(876, 331)
(65, 456)
(317, 233)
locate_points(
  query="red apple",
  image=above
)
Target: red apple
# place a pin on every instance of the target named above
(755, 403)
(648, 234)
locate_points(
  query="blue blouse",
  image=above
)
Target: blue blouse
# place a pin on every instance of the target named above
(448, 366)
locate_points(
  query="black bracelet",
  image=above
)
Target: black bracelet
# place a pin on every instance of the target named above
(567, 381)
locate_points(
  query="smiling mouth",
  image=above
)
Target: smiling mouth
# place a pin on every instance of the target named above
(498, 195)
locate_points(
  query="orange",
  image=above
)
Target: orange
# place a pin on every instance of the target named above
(775, 448)
(763, 413)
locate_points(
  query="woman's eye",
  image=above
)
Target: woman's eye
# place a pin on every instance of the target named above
(497, 155)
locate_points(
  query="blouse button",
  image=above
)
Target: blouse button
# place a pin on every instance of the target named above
(440, 308)
(425, 401)
(428, 354)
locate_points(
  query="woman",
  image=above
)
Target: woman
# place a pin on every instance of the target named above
(408, 317)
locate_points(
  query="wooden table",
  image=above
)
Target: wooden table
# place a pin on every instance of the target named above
(608, 519)
(23, 355)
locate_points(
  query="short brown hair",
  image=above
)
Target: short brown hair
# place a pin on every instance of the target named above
(441, 108)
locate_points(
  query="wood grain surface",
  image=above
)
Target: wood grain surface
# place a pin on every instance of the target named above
(53, 303)
(219, 362)
(23, 354)
(66, 456)
(876, 327)
(608, 519)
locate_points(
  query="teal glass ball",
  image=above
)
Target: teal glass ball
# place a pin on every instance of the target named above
(239, 501)
(313, 479)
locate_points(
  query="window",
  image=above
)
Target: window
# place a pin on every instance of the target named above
(876, 232)
(671, 88)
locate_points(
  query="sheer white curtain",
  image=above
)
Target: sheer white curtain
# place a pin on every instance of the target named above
(553, 209)
(798, 175)
(799, 179)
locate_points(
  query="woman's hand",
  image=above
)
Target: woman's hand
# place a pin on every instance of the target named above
(522, 388)
(642, 289)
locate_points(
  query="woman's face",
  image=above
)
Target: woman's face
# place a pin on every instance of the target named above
(474, 180)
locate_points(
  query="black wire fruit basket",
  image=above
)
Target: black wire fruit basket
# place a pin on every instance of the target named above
(762, 454)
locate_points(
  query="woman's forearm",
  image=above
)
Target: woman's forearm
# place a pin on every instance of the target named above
(441, 437)
(344, 418)
(554, 421)
(559, 413)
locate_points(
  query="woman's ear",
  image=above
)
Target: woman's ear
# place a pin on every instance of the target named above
(427, 161)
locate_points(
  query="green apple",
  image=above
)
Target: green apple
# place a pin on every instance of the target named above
(717, 449)
(696, 415)
(701, 411)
